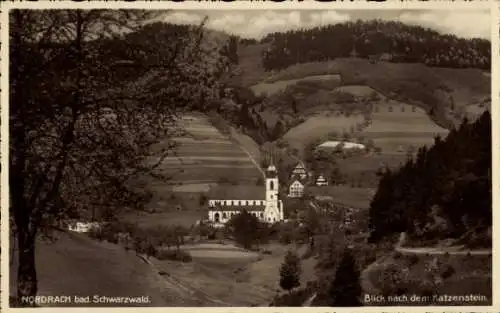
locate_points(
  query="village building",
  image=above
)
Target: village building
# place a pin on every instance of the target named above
(321, 181)
(299, 171)
(296, 189)
(263, 202)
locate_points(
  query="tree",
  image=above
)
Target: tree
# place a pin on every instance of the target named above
(91, 92)
(346, 288)
(245, 229)
(290, 272)
(277, 131)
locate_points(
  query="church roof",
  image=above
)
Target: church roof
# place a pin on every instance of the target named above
(238, 192)
(248, 208)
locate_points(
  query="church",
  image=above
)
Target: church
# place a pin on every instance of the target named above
(260, 201)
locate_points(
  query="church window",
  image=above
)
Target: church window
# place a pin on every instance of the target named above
(216, 217)
(271, 185)
(224, 215)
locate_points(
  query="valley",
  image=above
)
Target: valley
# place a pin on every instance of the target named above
(293, 171)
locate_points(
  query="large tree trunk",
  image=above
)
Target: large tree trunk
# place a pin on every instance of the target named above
(27, 284)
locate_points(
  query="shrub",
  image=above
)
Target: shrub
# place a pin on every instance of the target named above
(413, 259)
(294, 298)
(173, 255)
(447, 271)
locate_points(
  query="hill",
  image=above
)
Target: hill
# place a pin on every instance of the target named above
(204, 157)
(444, 192)
(75, 265)
(378, 40)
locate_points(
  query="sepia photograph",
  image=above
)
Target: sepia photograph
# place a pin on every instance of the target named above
(248, 158)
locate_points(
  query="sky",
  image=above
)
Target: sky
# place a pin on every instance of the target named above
(258, 23)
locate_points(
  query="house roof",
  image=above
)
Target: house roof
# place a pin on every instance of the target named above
(239, 192)
(300, 165)
(302, 182)
(248, 208)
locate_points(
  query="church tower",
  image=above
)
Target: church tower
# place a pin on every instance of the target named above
(272, 211)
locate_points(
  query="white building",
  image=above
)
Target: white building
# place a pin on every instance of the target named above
(296, 189)
(321, 181)
(345, 145)
(262, 202)
(82, 227)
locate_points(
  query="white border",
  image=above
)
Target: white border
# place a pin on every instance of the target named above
(247, 5)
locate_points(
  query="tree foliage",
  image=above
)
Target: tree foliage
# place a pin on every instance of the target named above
(290, 272)
(378, 40)
(345, 289)
(91, 92)
(245, 229)
(449, 181)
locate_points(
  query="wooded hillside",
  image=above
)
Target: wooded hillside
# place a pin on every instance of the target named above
(445, 192)
(389, 40)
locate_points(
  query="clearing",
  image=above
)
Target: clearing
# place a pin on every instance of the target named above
(396, 126)
(349, 196)
(319, 125)
(328, 82)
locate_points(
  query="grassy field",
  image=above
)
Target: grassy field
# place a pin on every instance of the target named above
(412, 83)
(320, 125)
(361, 170)
(396, 126)
(349, 196)
(328, 81)
(76, 265)
(232, 276)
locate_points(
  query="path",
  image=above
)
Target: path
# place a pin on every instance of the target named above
(183, 287)
(368, 286)
(248, 153)
(451, 250)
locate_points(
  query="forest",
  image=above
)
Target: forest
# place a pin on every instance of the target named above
(382, 40)
(444, 192)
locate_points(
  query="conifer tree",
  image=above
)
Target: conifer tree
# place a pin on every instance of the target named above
(290, 272)
(345, 289)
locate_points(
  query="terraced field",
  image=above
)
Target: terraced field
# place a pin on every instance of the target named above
(204, 155)
(203, 158)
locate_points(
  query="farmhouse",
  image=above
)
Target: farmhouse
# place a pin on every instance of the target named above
(299, 171)
(296, 189)
(321, 181)
(262, 202)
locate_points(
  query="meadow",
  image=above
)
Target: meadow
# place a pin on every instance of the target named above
(319, 125)
(411, 83)
(254, 276)
(328, 81)
(349, 196)
(76, 265)
(396, 126)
